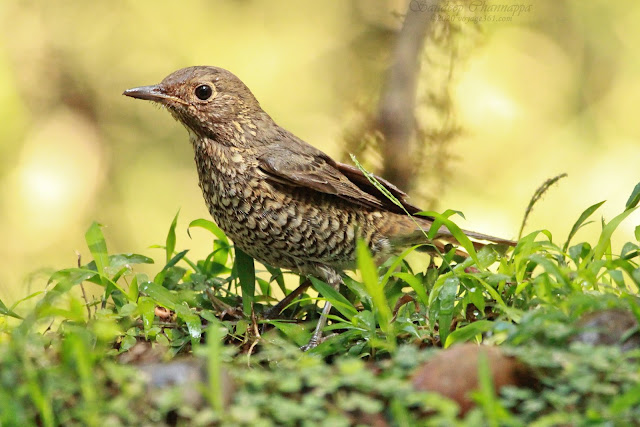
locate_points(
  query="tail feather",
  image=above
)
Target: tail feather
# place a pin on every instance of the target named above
(406, 233)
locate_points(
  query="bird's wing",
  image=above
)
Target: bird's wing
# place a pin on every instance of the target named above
(296, 163)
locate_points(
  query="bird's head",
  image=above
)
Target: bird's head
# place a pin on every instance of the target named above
(204, 99)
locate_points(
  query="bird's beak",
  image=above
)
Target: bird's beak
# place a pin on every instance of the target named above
(149, 93)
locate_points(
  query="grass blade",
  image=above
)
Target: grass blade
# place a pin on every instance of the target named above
(605, 237)
(634, 198)
(171, 237)
(442, 219)
(580, 222)
(209, 226)
(369, 274)
(416, 285)
(468, 332)
(335, 298)
(246, 272)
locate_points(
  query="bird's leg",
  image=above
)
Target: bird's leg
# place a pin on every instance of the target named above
(317, 333)
(334, 279)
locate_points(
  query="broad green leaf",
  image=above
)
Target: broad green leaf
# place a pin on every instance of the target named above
(245, 269)
(191, 319)
(147, 308)
(447, 298)
(165, 298)
(128, 309)
(486, 257)
(159, 294)
(97, 246)
(476, 296)
(220, 252)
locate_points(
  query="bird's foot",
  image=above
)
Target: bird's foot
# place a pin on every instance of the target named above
(316, 341)
(311, 344)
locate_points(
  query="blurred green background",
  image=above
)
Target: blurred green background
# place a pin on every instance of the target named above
(554, 89)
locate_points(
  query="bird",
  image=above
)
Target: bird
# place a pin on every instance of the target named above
(281, 200)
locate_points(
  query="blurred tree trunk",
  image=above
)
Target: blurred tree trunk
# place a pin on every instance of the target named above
(395, 118)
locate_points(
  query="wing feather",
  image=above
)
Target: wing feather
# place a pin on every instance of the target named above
(290, 161)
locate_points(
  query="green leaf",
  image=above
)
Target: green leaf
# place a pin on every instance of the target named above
(335, 298)
(133, 289)
(293, 331)
(476, 296)
(634, 198)
(191, 319)
(97, 247)
(625, 401)
(4, 310)
(442, 219)
(605, 237)
(416, 284)
(171, 237)
(580, 222)
(468, 332)
(119, 260)
(486, 392)
(395, 264)
(173, 261)
(447, 298)
(128, 309)
(210, 226)
(165, 298)
(637, 233)
(551, 268)
(369, 274)
(160, 295)
(216, 389)
(159, 278)
(276, 274)
(246, 272)
(147, 308)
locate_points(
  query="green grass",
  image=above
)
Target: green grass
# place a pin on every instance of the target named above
(63, 353)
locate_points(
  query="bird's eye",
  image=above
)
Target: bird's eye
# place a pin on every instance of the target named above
(204, 92)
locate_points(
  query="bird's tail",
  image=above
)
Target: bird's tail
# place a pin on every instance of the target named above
(408, 231)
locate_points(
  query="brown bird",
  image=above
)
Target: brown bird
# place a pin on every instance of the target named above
(280, 200)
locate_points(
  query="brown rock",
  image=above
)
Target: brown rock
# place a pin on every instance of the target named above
(453, 373)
